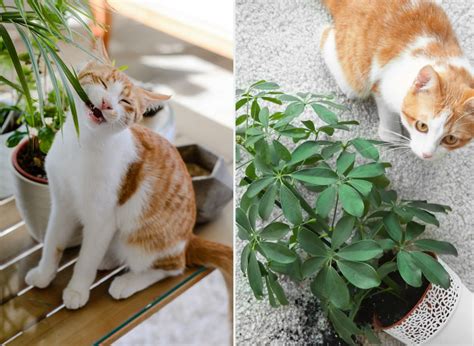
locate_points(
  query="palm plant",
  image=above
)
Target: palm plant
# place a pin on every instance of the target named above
(41, 25)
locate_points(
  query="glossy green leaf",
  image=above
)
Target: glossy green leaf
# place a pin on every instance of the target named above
(281, 150)
(311, 243)
(369, 170)
(425, 216)
(275, 231)
(432, 269)
(324, 114)
(351, 200)
(290, 205)
(437, 246)
(326, 201)
(362, 250)
(277, 252)
(277, 289)
(414, 230)
(316, 176)
(363, 186)
(392, 225)
(263, 116)
(342, 231)
(336, 289)
(244, 258)
(304, 151)
(345, 161)
(267, 202)
(254, 276)
(359, 274)
(313, 265)
(365, 148)
(258, 185)
(409, 271)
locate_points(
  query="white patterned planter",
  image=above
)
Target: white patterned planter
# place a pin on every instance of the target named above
(441, 316)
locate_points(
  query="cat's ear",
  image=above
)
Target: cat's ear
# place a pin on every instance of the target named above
(426, 80)
(152, 100)
(100, 51)
(468, 106)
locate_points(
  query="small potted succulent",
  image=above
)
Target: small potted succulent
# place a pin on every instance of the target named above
(338, 226)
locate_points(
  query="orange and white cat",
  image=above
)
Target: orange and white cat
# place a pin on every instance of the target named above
(405, 53)
(129, 189)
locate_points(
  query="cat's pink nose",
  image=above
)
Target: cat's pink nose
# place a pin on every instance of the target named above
(105, 105)
(427, 155)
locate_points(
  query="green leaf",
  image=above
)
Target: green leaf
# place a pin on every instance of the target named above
(386, 244)
(290, 205)
(324, 114)
(351, 200)
(266, 86)
(363, 186)
(240, 119)
(240, 103)
(369, 170)
(362, 250)
(277, 289)
(425, 216)
(345, 161)
(281, 150)
(316, 176)
(336, 289)
(275, 231)
(304, 151)
(326, 201)
(244, 258)
(435, 208)
(271, 296)
(254, 276)
(313, 265)
(432, 269)
(14, 139)
(310, 242)
(365, 148)
(386, 268)
(267, 203)
(252, 214)
(392, 225)
(437, 246)
(263, 116)
(242, 219)
(330, 150)
(359, 274)
(342, 231)
(408, 269)
(46, 137)
(343, 325)
(294, 109)
(277, 252)
(258, 185)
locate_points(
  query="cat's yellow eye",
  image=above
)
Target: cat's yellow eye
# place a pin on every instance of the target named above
(450, 140)
(421, 126)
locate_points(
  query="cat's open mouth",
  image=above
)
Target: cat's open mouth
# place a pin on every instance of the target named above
(96, 114)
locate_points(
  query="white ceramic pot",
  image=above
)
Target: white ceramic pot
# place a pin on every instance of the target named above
(163, 122)
(33, 200)
(441, 316)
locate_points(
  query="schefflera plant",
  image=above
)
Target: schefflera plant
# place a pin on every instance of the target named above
(337, 239)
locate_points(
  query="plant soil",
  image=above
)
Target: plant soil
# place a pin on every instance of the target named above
(388, 308)
(197, 171)
(31, 159)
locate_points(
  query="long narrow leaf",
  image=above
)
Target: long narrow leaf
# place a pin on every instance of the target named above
(19, 70)
(11, 84)
(35, 67)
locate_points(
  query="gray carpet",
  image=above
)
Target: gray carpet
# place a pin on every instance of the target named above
(279, 41)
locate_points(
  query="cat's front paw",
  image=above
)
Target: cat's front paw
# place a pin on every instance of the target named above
(122, 287)
(39, 278)
(75, 298)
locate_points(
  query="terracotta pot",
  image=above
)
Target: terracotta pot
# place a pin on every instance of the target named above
(441, 316)
(33, 200)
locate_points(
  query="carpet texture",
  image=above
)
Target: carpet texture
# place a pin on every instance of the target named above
(279, 41)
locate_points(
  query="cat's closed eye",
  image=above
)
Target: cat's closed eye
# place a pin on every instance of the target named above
(125, 101)
(103, 83)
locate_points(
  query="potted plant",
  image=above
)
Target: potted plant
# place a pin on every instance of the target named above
(40, 27)
(359, 245)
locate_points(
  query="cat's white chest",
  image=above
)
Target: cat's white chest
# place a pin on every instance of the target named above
(90, 176)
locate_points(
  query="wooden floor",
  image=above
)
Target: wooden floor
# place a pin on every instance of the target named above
(37, 316)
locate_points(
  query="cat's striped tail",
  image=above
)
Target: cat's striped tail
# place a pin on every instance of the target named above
(202, 252)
